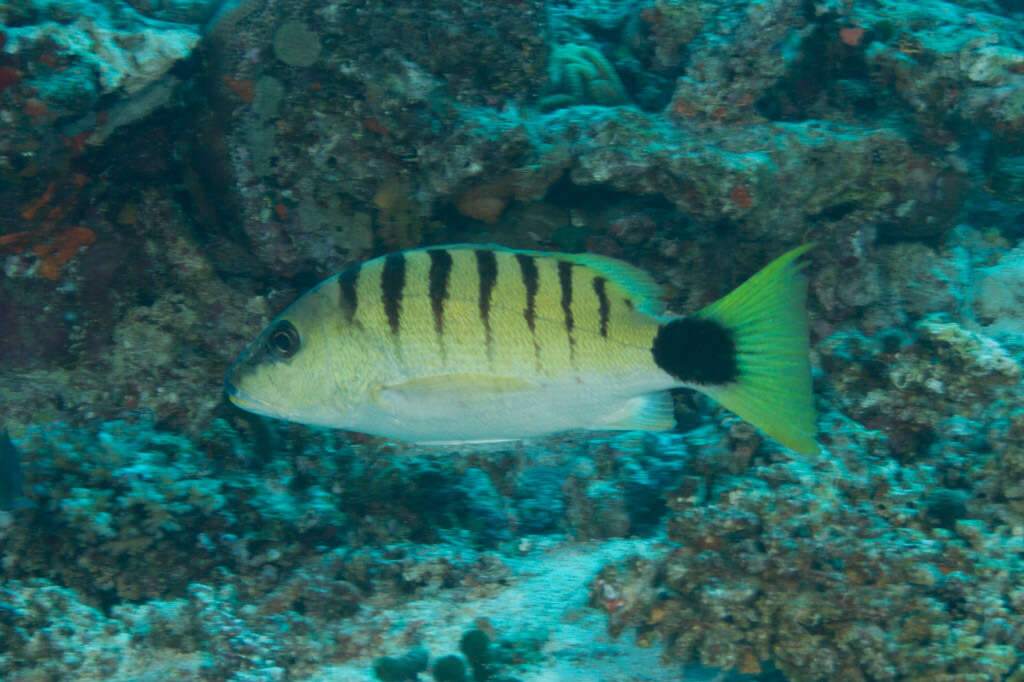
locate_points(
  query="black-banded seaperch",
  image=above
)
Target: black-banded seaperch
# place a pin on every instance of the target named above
(475, 343)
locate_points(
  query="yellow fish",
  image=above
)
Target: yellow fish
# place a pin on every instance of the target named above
(468, 343)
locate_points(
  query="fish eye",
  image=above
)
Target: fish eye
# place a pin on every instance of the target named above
(283, 340)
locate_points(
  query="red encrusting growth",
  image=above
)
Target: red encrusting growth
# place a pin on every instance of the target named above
(76, 143)
(851, 35)
(63, 248)
(741, 197)
(9, 76)
(375, 126)
(53, 243)
(243, 88)
(15, 241)
(29, 212)
(36, 110)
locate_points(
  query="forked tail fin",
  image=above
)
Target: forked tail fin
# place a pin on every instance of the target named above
(749, 352)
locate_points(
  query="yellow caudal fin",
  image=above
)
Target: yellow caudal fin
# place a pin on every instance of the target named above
(764, 373)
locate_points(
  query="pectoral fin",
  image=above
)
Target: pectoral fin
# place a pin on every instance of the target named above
(459, 388)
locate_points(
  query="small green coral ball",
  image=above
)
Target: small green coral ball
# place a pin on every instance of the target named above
(449, 669)
(390, 669)
(475, 645)
(295, 44)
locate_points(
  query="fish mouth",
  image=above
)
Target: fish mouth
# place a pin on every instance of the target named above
(248, 403)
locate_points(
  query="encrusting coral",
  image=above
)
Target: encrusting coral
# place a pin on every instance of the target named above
(580, 74)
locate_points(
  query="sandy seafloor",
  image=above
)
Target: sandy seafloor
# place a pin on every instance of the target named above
(545, 592)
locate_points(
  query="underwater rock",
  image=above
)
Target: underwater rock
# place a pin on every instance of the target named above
(49, 628)
(908, 387)
(540, 503)
(647, 466)
(365, 124)
(734, 54)
(449, 143)
(925, 281)
(978, 355)
(128, 491)
(769, 555)
(119, 47)
(713, 177)
(1008, 178)
(999, 294)
(482, 506)
(86, 68)
(113, 496)
(956, 73)
(325, 167)
(215, 631)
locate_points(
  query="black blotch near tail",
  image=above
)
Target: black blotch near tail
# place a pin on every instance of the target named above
(696, 351)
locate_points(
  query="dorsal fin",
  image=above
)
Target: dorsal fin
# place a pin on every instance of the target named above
(632, 279)
(639, 285)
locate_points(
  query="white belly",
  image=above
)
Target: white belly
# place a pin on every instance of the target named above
(454, 414)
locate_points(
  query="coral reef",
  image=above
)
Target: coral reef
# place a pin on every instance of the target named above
(892, 558)
(174, 173)
(847, 569)
(81, 69)
(135, 542)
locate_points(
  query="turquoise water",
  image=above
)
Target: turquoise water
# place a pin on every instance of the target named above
(174, 174)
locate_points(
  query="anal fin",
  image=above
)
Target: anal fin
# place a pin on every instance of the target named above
(647, 412)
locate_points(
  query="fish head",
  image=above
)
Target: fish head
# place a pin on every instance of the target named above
(290, 371)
